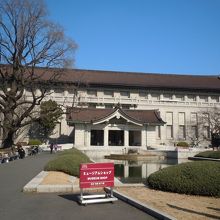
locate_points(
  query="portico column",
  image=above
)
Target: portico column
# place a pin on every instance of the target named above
(87, 135)
(126, 137)
(126, 171)
(106, 136)
(144, 137)
(144, 170)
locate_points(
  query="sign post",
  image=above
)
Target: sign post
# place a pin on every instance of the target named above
(96, 175)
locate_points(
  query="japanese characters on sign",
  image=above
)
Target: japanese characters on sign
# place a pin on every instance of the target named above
(94, 175)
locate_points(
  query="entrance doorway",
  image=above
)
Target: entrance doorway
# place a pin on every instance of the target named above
(116, 138)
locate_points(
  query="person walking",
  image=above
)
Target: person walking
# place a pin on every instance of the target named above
(21, 151)
(51, 148)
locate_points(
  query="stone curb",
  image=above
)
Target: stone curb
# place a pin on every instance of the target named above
(35, 182)
(34, 185)
(146, 208)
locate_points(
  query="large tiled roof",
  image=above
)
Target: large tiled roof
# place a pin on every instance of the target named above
(98, 78)
(92, 115)
(141, 80)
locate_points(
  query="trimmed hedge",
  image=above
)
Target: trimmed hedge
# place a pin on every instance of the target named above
(68, 162)
(182, 144)
(209, 154)
(34, 142)
(195, 178)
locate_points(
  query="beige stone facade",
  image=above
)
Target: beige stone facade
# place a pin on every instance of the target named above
(176, 109)
(179, 108)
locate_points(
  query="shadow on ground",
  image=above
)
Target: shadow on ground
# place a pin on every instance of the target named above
(74, 198)
(70, 197)
(216, 209)
(194, 212)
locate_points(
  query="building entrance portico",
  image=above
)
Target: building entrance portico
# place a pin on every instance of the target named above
(115, 135)
(114, 127)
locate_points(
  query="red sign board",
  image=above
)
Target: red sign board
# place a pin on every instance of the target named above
(94, 175)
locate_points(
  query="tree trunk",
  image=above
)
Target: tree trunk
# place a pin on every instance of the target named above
(7, 139)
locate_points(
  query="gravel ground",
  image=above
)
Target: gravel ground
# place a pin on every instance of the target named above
(177, 205)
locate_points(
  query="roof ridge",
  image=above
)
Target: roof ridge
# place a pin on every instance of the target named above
(145, 73)
(124, 72)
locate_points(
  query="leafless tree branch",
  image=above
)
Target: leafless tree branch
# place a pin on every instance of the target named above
(28, 42)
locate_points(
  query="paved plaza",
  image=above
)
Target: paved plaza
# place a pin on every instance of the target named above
(14, 204)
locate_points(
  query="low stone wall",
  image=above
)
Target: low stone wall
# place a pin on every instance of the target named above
(181, 153)
(191, 152)
(99, 153)
(173, 154)
(134, 157)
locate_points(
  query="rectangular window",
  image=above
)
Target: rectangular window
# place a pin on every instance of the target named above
(169, 131)
(179, 97)
(206, 132)
(191, 98)
(134, 138)
(181, 117)
(182, 129)
(205, 119)
(108, 93)
(115, 138)
(124, 94)
(193, 119)
(92, 93)
(167, 97)
(97, 138)
(143, 95)
(169, 127)
(109, 106)
(214, 99)
(155, 96)
(194, 131)
(203, 98)
(58, 92)
(124, 106)
(182, 132)
(169, 118)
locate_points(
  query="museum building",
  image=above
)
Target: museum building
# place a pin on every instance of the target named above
(122, 109)
(116, 110)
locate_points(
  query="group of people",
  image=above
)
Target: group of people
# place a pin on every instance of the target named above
(20, 152)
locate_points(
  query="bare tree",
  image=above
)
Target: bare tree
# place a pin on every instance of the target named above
(211, 121)
(205, 127)
(33, 51)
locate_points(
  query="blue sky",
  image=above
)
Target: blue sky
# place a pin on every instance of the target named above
(152, 36)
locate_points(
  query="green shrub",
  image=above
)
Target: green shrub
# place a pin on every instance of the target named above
(68, 162)
(34, 142)
(209, 154)
(196, 178)
(182, 144)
